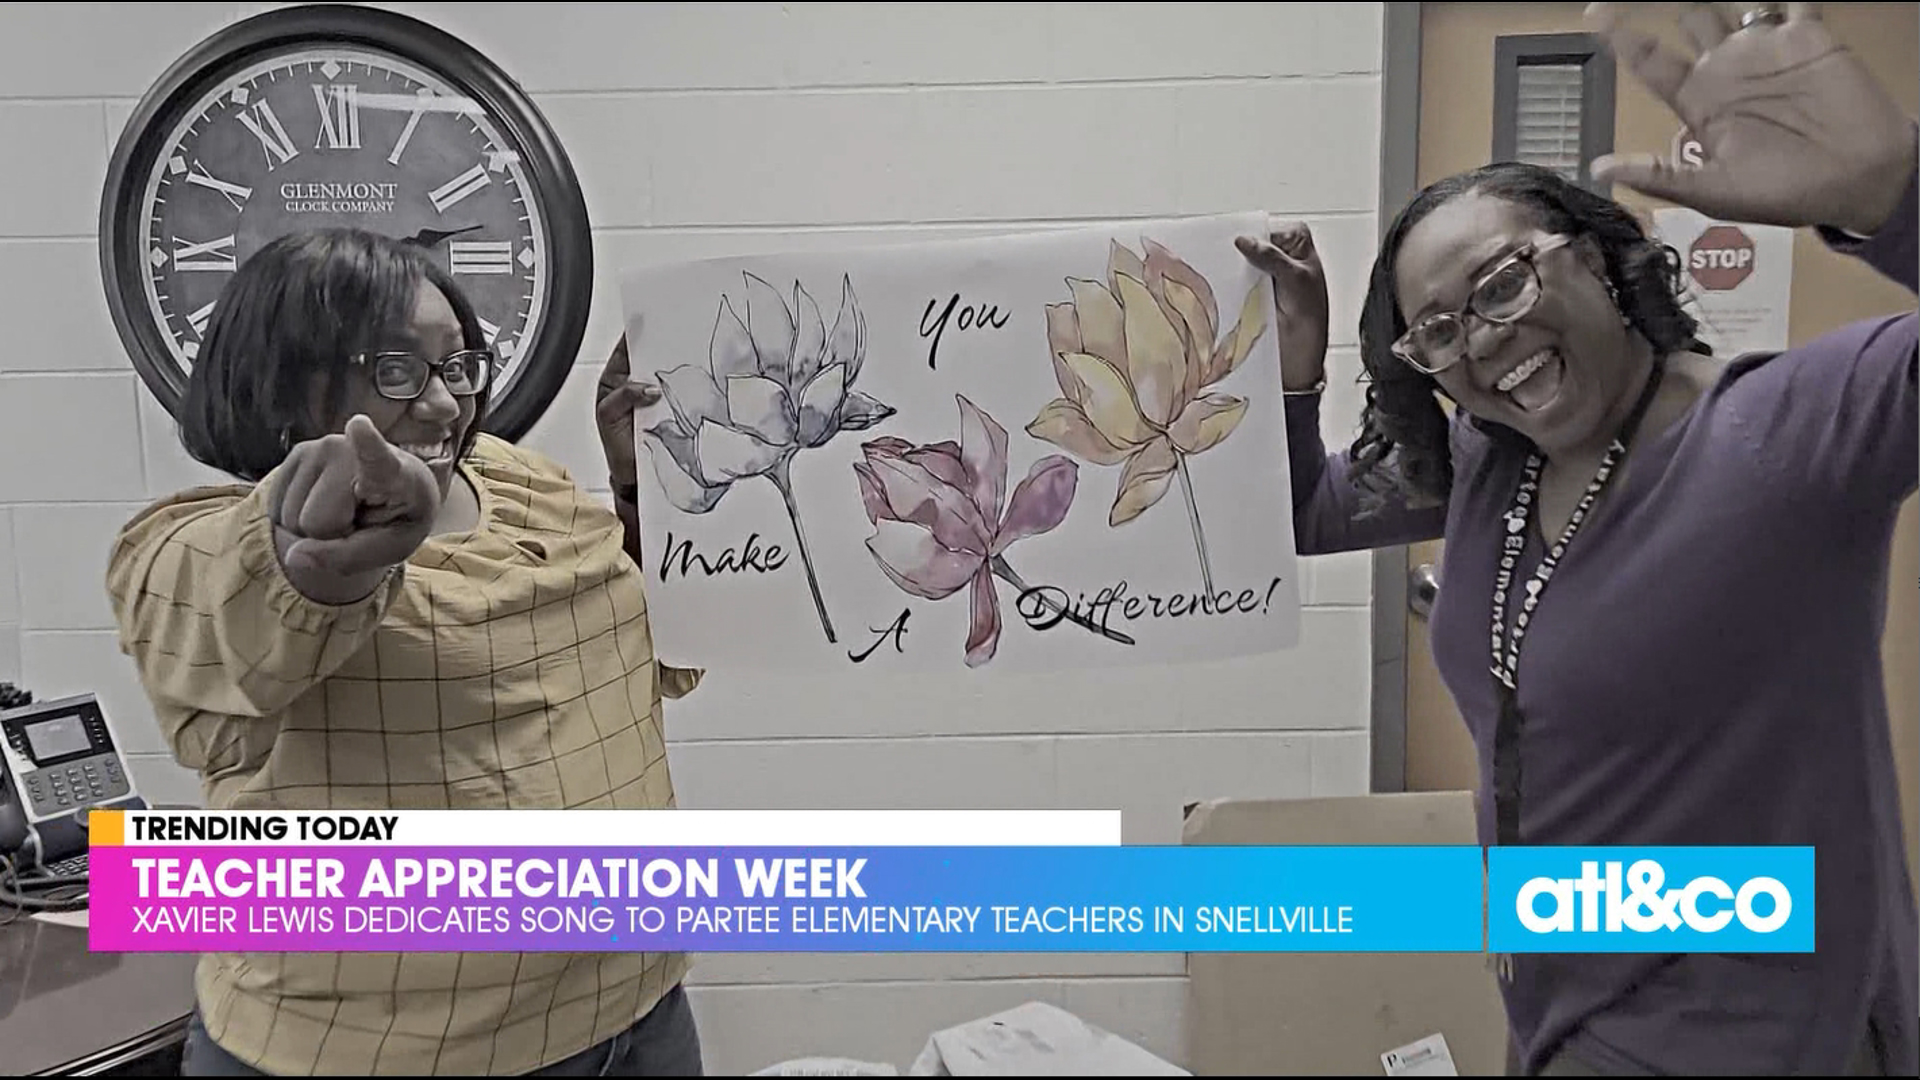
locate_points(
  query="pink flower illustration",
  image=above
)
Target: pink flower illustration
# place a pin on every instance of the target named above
(943, 520)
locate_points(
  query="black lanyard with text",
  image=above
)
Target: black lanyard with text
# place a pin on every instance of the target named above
(1506, 650)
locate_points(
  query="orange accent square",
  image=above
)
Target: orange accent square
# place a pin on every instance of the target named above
(106, 828)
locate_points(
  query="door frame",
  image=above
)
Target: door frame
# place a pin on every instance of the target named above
(1399, 182)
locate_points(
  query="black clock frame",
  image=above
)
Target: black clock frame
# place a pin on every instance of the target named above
(554, 346)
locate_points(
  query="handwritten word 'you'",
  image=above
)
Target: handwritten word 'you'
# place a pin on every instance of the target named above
(962, 317)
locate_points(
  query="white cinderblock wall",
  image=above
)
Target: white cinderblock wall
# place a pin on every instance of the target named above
(706, 129)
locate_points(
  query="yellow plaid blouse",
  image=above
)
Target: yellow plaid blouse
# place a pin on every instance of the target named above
(506, 668)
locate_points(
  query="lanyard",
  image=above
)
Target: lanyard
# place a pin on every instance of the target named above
(1506, 649)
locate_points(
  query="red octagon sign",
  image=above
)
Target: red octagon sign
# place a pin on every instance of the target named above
(1721, 258)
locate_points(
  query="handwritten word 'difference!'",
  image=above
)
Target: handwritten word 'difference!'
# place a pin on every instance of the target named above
(481, 878)
(1045, 607)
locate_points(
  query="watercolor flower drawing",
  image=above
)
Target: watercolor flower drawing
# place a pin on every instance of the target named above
(943, 521)
(776, 382)
(1135, 358)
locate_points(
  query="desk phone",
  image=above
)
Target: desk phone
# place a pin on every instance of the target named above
(58, 759)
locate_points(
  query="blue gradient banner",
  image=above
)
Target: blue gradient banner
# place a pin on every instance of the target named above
(1651, 900)
(880, 899)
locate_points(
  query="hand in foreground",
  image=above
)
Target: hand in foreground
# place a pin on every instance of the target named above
(1796, 131)
(348, 507)
(1299, 300)
(615, 401)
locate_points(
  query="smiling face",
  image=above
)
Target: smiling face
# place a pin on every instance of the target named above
(1557, 373)
(432, 426)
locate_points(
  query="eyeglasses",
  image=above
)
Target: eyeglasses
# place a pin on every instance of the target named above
(1505, 295)
(402, 376)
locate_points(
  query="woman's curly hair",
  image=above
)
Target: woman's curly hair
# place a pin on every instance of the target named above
(1403, 446)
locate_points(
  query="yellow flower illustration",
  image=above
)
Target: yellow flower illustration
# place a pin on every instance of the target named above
(1134, 358)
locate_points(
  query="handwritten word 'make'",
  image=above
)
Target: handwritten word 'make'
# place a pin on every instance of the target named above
(749, 557)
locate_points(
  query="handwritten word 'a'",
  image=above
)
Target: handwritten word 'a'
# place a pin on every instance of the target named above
(749, 557)
(1044, 607)
(967, 317)
(895, 632)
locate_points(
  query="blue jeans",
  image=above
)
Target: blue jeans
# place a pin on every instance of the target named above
(663, 1043)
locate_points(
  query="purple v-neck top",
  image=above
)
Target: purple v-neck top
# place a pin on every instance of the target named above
(1704, 669)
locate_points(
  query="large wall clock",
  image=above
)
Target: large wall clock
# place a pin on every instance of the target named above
(339, 114)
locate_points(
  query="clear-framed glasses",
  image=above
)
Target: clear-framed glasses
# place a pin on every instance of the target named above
(403, 376)
(1503, 295)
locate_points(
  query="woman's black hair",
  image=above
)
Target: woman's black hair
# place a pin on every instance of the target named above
(297, 310)
(1404, 434)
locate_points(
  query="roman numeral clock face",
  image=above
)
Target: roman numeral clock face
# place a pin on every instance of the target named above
(314, 135)
(338, 137)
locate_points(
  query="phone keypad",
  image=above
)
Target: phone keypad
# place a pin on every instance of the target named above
(75, 785)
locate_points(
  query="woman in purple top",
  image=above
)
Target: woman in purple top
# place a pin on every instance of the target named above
(1705, 667)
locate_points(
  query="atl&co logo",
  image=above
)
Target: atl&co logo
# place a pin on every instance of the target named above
(1614, 898)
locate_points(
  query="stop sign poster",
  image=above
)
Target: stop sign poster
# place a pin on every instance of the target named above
(1738, 278)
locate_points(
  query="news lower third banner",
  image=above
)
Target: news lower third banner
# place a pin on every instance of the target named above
(994, 881)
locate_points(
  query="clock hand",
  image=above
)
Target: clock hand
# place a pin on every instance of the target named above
(432, 237)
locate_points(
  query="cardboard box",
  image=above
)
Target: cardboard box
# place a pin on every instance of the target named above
(1337, 1013)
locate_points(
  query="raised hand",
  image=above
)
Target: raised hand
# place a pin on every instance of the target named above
(1796, 130)
(347, 507)
(1288, 256)
(617, 396)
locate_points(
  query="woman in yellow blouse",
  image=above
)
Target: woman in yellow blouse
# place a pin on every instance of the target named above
(397, 611)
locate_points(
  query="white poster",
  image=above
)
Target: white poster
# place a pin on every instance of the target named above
(1738, 278)
(1023, 453)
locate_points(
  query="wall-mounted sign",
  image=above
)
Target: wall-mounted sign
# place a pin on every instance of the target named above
(1738, 278)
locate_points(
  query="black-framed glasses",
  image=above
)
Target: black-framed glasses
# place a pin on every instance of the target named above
(1503, 295)
(403, 376)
